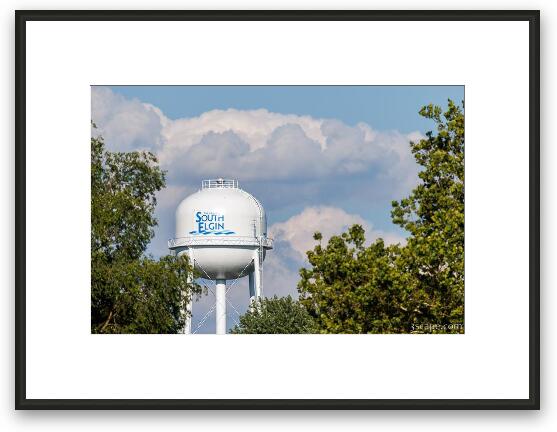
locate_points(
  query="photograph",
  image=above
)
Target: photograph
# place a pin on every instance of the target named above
(277, 209)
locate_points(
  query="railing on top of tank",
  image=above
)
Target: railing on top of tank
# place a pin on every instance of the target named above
(219, 183)
(266, 242)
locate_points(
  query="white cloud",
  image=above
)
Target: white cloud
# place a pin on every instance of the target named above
(254, 144)
(296, 147)
(297, 232)
(254, 127)
(126, 124)
(299, 229)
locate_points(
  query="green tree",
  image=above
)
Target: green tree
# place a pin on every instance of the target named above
(350, 288)
(276, 315)
(434, 216)
(131, 292)
(419, 287)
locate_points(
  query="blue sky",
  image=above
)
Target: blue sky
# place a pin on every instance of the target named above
(383, 107)
(319, 158)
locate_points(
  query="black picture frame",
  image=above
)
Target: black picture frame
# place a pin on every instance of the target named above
(531, 16)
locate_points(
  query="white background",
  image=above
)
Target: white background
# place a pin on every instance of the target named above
(60, 421)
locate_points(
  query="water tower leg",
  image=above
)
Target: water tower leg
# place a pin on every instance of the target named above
(221, 305)
(187, 327)
(257, 274)
(251, 289)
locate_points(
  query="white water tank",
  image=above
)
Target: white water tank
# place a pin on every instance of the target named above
(223, 231)
(223, 224)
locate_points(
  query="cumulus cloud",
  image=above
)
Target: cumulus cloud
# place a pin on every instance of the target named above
(126, 124)
(256, 145)
(253, 127)
(299, 229)
(286, 152)
(296, 233)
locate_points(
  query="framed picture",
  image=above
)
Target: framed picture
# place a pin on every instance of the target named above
(349, 200)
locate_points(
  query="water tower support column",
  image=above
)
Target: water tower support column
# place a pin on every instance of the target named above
(251, 289)
(220, 294)
(189, 304)
(257, 274)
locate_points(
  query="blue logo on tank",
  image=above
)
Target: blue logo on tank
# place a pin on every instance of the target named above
(210, 223)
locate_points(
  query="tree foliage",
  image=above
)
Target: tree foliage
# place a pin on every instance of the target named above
(419, 287)
(130, 292)
(434, 216)
(276, 315)
(123, 201)
(349, 287)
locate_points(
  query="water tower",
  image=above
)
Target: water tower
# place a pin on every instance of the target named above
(223, 231)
